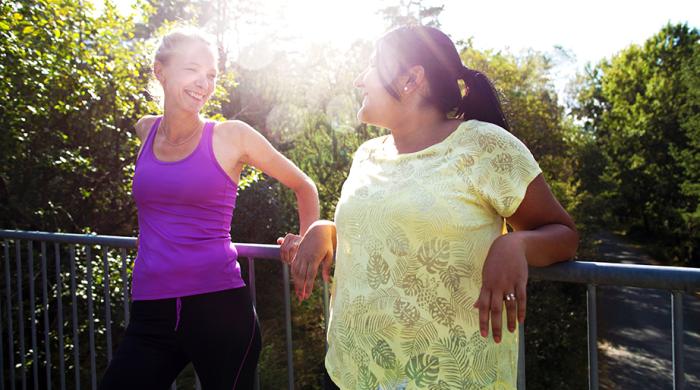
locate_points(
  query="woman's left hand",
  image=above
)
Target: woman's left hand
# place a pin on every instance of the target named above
(504, 281)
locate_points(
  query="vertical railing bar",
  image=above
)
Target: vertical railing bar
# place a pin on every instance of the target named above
(2, 347)
(108, 308)
(288, 327)
(253, 297)
(59, 315)
(45, 302)
(91, 317)
(125, 280)
(677, 337)
(10, 330)
(325, 312)
(521, 356)
(20, 314)
(591, 307)
(76, 339)
(251, 280)
(32, 314)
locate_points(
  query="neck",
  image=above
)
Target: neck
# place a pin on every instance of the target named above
(180, 124)
(421, 130)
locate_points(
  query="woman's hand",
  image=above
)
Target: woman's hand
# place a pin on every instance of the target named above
(316, 248)
(504, 280)
(289, 245)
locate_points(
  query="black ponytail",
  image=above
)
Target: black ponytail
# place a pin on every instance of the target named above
(481, 100)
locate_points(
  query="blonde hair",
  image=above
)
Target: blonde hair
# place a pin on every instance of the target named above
(169, 44)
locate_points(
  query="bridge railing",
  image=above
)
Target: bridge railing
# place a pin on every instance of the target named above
(49, 274)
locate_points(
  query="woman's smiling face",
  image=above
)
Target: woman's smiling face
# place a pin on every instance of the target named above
(189, 76)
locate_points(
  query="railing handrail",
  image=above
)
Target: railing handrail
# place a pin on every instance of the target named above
(261, 251)
(585, 272)
(630, 275)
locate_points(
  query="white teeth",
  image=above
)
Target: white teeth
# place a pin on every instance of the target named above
(195, 95)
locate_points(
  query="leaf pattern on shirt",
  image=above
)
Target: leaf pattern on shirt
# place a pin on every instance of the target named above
(383, 355)
(377, 271)
(423, 369)
(432, 254)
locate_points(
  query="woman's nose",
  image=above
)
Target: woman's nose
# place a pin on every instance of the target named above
(358, 82)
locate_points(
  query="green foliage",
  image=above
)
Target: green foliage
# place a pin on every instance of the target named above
(641, 109)
(72, 85)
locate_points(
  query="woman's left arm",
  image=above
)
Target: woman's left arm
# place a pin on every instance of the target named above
(544, 234)
(258, 152)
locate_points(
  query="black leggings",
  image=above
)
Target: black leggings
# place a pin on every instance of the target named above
(218, 332)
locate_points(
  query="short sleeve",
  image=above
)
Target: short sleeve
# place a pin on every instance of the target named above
(504, 169)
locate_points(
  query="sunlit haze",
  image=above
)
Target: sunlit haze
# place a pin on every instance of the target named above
(588, 31)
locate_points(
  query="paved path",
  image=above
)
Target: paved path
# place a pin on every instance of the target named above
(634, 329)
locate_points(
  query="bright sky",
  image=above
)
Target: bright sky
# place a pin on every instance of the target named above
(590, 30)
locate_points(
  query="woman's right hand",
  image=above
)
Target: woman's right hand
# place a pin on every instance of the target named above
(316, 248)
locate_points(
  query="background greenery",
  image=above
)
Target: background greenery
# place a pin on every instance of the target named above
(621, 154)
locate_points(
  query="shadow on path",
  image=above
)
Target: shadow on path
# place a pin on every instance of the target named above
(634, 328)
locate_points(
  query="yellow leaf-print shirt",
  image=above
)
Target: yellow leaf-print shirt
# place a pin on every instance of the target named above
(413, 233)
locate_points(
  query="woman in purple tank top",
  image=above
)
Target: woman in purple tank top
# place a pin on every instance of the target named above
(190, 303)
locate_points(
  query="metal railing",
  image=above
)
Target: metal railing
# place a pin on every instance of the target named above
(49, 357)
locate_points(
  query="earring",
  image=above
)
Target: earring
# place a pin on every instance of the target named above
(405, 88)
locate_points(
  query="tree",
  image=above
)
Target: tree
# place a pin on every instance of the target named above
(641, 107)
(72, 85)
(409, 12)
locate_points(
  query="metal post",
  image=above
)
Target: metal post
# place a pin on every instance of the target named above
(91, 317)
(251, 279)
(10, 332)
(32, 314)
(45, 303)
(591, 307)
(521, 356)
(326, 315)
(125, 280)
(677, 324)
(251, 284)
(59, 314)
(76, 335)
(2, 347)
(108, 308)
(20, 314)
(288, 326)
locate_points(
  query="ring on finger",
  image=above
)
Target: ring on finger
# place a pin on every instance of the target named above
(509, 297)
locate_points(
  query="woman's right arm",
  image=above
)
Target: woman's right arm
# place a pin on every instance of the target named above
(317, 248)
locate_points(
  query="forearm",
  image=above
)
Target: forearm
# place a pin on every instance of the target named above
(547, 244)
(308, 206)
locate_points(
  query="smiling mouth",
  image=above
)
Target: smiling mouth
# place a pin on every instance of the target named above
(195, 95)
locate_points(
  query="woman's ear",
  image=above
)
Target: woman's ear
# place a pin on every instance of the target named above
(414, 79)
(158, 71)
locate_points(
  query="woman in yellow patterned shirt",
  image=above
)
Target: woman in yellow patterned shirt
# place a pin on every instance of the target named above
(423, 270)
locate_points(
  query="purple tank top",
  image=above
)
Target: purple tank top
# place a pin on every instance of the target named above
(184, 210)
